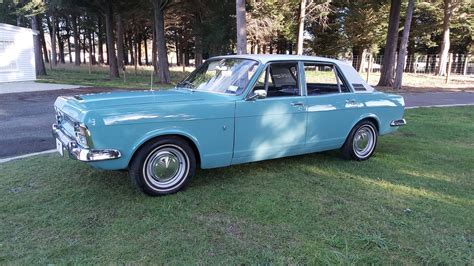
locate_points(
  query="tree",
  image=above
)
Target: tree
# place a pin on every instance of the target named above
(388, 66)
(299, 46)
(448, 9)
(34, 9)
(76, 37)
(313, 8)
(159, 23)
(120, 41)
(364, 27)
(39, 63)
(403, 45)
(109, 28)
(241, 27)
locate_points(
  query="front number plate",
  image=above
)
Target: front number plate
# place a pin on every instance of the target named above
(59, 147)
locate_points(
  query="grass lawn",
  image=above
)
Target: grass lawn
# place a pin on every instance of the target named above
(99, 77)
(411, 203)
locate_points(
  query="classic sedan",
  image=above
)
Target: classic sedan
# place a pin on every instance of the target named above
(231, 110)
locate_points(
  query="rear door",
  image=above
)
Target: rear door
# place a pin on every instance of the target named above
(276, 125)
(330, 106)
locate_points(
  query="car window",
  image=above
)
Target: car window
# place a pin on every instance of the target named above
(226, 75)
(323, 79)
(279, 80)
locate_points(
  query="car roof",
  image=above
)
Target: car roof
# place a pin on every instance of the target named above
(264, 58)
(349, 72)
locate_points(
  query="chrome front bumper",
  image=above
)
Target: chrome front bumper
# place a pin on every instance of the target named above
(399, 122)
(83, 154)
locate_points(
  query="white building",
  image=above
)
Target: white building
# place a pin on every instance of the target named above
(17, 59)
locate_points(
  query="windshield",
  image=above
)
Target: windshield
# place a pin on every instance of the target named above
(229, 75)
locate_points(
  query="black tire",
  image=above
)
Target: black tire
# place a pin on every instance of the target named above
(351, 149)
(156, 160)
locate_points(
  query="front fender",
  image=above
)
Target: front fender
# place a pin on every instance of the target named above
(163, 132)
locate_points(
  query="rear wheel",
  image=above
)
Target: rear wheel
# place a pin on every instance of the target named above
(361, 142)
(163, 166)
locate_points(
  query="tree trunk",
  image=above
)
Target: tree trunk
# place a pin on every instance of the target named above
(163, 67)
(84, 46)
(106, 50)
(402, 53)
(100, 40)
(126, 49)
(443, 56)
(43, 44)
(410, 58)
(91, 48)
(94, 62)
(198, 52)
(153, 51)
(39, 63)
(130, 48)
(357, 54)
(68, 32)
(198, 46)
(146, 49)
(120, 43)
(138, 47)
(109, 28)
(388, 66)
(241, 27)
(300, 39)
(77, 46)
(54, 55)
(60, 43)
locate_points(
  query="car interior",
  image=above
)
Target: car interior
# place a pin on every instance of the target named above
(282, 80)
(323, 79)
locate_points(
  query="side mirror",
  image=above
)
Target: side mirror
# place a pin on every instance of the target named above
(257, 94)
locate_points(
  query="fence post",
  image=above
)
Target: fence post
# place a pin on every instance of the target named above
(124, 73)
(50, 60)
(369, 67)
(416, 64)
(151, 78)
(450, 63)
(466, 63)
(182, 62)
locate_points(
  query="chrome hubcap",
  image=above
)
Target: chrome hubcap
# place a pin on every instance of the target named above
(166, 166)
(364, 140)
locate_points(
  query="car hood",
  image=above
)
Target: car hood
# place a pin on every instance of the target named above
(123, 98)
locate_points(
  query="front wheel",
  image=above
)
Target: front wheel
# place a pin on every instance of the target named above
(361, 142)
(163, 166)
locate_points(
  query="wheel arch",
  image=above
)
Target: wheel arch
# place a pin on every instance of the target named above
(189, 139)
(369, 117)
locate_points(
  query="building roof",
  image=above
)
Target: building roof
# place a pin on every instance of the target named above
(8, 27)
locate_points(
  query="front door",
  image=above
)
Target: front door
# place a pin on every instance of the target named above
(274, 126)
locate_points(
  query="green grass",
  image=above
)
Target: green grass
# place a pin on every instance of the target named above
(99, 77)
(413, 202)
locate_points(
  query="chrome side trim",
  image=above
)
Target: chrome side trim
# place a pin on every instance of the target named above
(399, 122)
(80, 153)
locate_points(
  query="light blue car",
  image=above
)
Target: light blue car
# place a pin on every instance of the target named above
(231, 110)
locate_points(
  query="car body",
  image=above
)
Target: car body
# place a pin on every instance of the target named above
(273, 106)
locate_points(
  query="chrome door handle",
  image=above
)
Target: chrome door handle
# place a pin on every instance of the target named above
(297, 104)
(351, 101)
